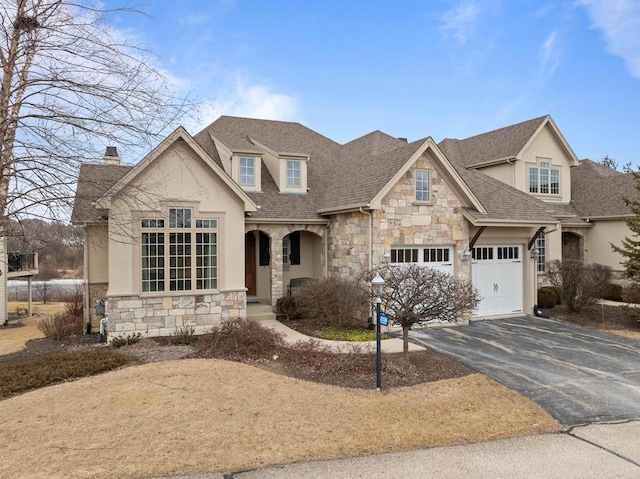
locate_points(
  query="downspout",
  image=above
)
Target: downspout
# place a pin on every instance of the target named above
(368, 213)
(326, 249)
(87, 307)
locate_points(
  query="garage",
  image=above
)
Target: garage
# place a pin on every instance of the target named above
(437, 257)
(497, 274)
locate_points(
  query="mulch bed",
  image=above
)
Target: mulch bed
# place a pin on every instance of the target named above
(595, 317)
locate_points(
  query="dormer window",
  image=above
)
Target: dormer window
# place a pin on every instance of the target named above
(293, 173)
(247, 171)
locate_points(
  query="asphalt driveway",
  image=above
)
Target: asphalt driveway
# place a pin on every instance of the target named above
(578, 375)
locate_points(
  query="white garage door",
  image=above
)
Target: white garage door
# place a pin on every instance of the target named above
(497, 274)
(438, 257)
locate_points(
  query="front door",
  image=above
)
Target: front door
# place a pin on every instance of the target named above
(250, 263)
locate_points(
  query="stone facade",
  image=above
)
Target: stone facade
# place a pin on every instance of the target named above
(163, 315)
(401, 222)
(349, 244)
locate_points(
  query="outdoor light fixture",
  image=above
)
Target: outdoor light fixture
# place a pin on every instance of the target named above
(377, 287)
(535, 253)
(465, 255)
(386, 257)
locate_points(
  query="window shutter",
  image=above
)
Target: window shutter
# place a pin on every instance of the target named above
(294, 240)
(265, 252)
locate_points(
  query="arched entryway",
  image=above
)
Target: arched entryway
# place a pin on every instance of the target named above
(572, 246)
(275, 254)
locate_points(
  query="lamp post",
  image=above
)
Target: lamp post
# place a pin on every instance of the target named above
(377, 287)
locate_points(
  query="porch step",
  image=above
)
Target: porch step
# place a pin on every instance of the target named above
(260, 311)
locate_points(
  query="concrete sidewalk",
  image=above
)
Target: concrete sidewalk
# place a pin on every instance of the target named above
(593, 451)
(391, 345)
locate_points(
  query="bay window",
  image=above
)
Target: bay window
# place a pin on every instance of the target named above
(187, 261)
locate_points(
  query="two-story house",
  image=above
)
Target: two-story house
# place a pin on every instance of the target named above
(205, 225)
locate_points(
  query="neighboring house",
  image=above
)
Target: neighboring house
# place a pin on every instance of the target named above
(206, 224)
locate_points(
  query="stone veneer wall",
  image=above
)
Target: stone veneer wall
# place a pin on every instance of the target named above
(162, 316)
(349, 244)
(402, 221)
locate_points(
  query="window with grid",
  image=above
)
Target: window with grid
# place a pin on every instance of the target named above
(293, 173)
(405, 255)
(247, 171)
(422, 185)
(188, 261)
(544, 180)
(542, 253)
(152, 256)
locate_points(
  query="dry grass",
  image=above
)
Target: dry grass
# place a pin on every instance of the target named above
(625, 333)
(210, 415)
(13, 339)
(38, 308)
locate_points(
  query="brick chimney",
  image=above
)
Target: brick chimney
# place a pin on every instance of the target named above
(111, 156)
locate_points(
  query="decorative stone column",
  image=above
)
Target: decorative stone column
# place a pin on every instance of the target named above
(277, 287)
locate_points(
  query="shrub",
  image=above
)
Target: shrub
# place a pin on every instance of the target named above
(613, 292)
(58, 367)
(631, 294)
(183, 336)
(287, 306)
(547, 298)
(240, 340)
(74, 302)
(582, 285)
(558, 292)
(333, 301)
(60, 326)
(126, 340)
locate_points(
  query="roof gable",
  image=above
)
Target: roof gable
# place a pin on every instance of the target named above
(180, 133)
(503, 144)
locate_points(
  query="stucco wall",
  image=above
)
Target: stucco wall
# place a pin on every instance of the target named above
(545, 146)
(600, 238)
(178, 177)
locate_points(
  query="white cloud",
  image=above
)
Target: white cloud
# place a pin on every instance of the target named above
(252, 101)
(460, 21)
(258, 101)
(619, 21)
(550, 53)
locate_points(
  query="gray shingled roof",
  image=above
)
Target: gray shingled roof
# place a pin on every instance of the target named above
(356, 180)
(597, 191)
(495, 145)
(282, 137)
(94, 180)
(342, 176)
(503, 202)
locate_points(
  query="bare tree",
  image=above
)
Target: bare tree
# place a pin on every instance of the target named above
(71, 85)
(416, 294)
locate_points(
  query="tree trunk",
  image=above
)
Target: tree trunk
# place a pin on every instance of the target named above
(405, 342)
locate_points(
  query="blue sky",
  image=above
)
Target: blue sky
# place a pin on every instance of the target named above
(441, 68)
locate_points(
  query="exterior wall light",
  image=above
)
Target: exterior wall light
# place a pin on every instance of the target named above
(465, 255)
(535, 253)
